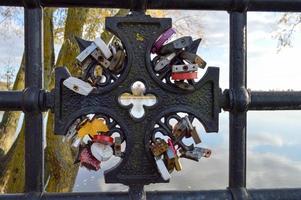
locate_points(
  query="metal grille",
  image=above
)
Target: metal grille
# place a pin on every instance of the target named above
(237, 99)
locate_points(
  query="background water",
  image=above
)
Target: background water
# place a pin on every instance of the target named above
(273, 145)
(273, 158)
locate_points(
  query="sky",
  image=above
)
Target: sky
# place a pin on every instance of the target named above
(273, 149)
(274, 138)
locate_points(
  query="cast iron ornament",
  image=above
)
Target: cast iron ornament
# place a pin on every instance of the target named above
(138, 32)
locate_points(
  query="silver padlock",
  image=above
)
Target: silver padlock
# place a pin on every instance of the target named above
(97, 49)
(164, 61)
(184, 68)
(196, 154)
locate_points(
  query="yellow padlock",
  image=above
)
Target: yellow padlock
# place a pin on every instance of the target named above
(178, 165)
(93, 127)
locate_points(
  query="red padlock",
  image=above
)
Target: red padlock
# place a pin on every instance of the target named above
(87, 160)
(184, 76)
(171, 145)
(104, 139)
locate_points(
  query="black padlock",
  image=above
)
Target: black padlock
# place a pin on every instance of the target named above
(176, 45)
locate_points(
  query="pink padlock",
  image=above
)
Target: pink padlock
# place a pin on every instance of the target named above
(162, 39)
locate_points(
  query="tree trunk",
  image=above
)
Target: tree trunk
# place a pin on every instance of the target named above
(9, 121)
(12, 161)
(59, 156)
(60, 170)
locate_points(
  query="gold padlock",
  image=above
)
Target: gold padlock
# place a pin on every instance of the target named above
(195, 136)
(98, 70)
(159, 147)
(92, 128)
(178, 165)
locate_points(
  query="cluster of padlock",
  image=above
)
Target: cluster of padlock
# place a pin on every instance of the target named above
(97, 61)
(180, 57)
(94, 144)
(167, 154)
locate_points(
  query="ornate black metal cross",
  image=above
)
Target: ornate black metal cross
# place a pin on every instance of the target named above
(138, 32)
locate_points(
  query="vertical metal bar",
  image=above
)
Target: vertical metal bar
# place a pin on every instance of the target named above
(34, 152)
(136, 192)
(238, 68)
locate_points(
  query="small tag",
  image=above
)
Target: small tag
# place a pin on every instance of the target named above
(78, 86)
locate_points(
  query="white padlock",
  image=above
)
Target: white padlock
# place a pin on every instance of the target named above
(101, 152)
(97, 44)
(78, 86)
(85, 53)
(162, 169)
(103, 48)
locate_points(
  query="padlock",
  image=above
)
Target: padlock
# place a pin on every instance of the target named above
(103, 139)
(180, 129)
(78, 86)
(88, 160)
(162, 39)
(159, 147)
(117, 44)
(176, 45)
(184, 76)
(103, 48)
(86, 53)
(171, 145)
(112, 48)
(196, 154)
(77, 157)
(117, 147)
(164, 61)
(178, 165)
(183, 85)
(97, 72)
(193, 48)
(192, 131)
(92, 128)
(184, 68)
(170, 156)
(117, 61)
(195, 136)
(101, 152)
(193, 58)
(100, 59)
(162, 168)
(72, 131)
(76, 142)
(97, 51)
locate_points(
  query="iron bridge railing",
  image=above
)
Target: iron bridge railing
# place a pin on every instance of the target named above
(237, 99)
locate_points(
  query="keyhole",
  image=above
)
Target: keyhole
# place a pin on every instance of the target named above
(137, 99)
